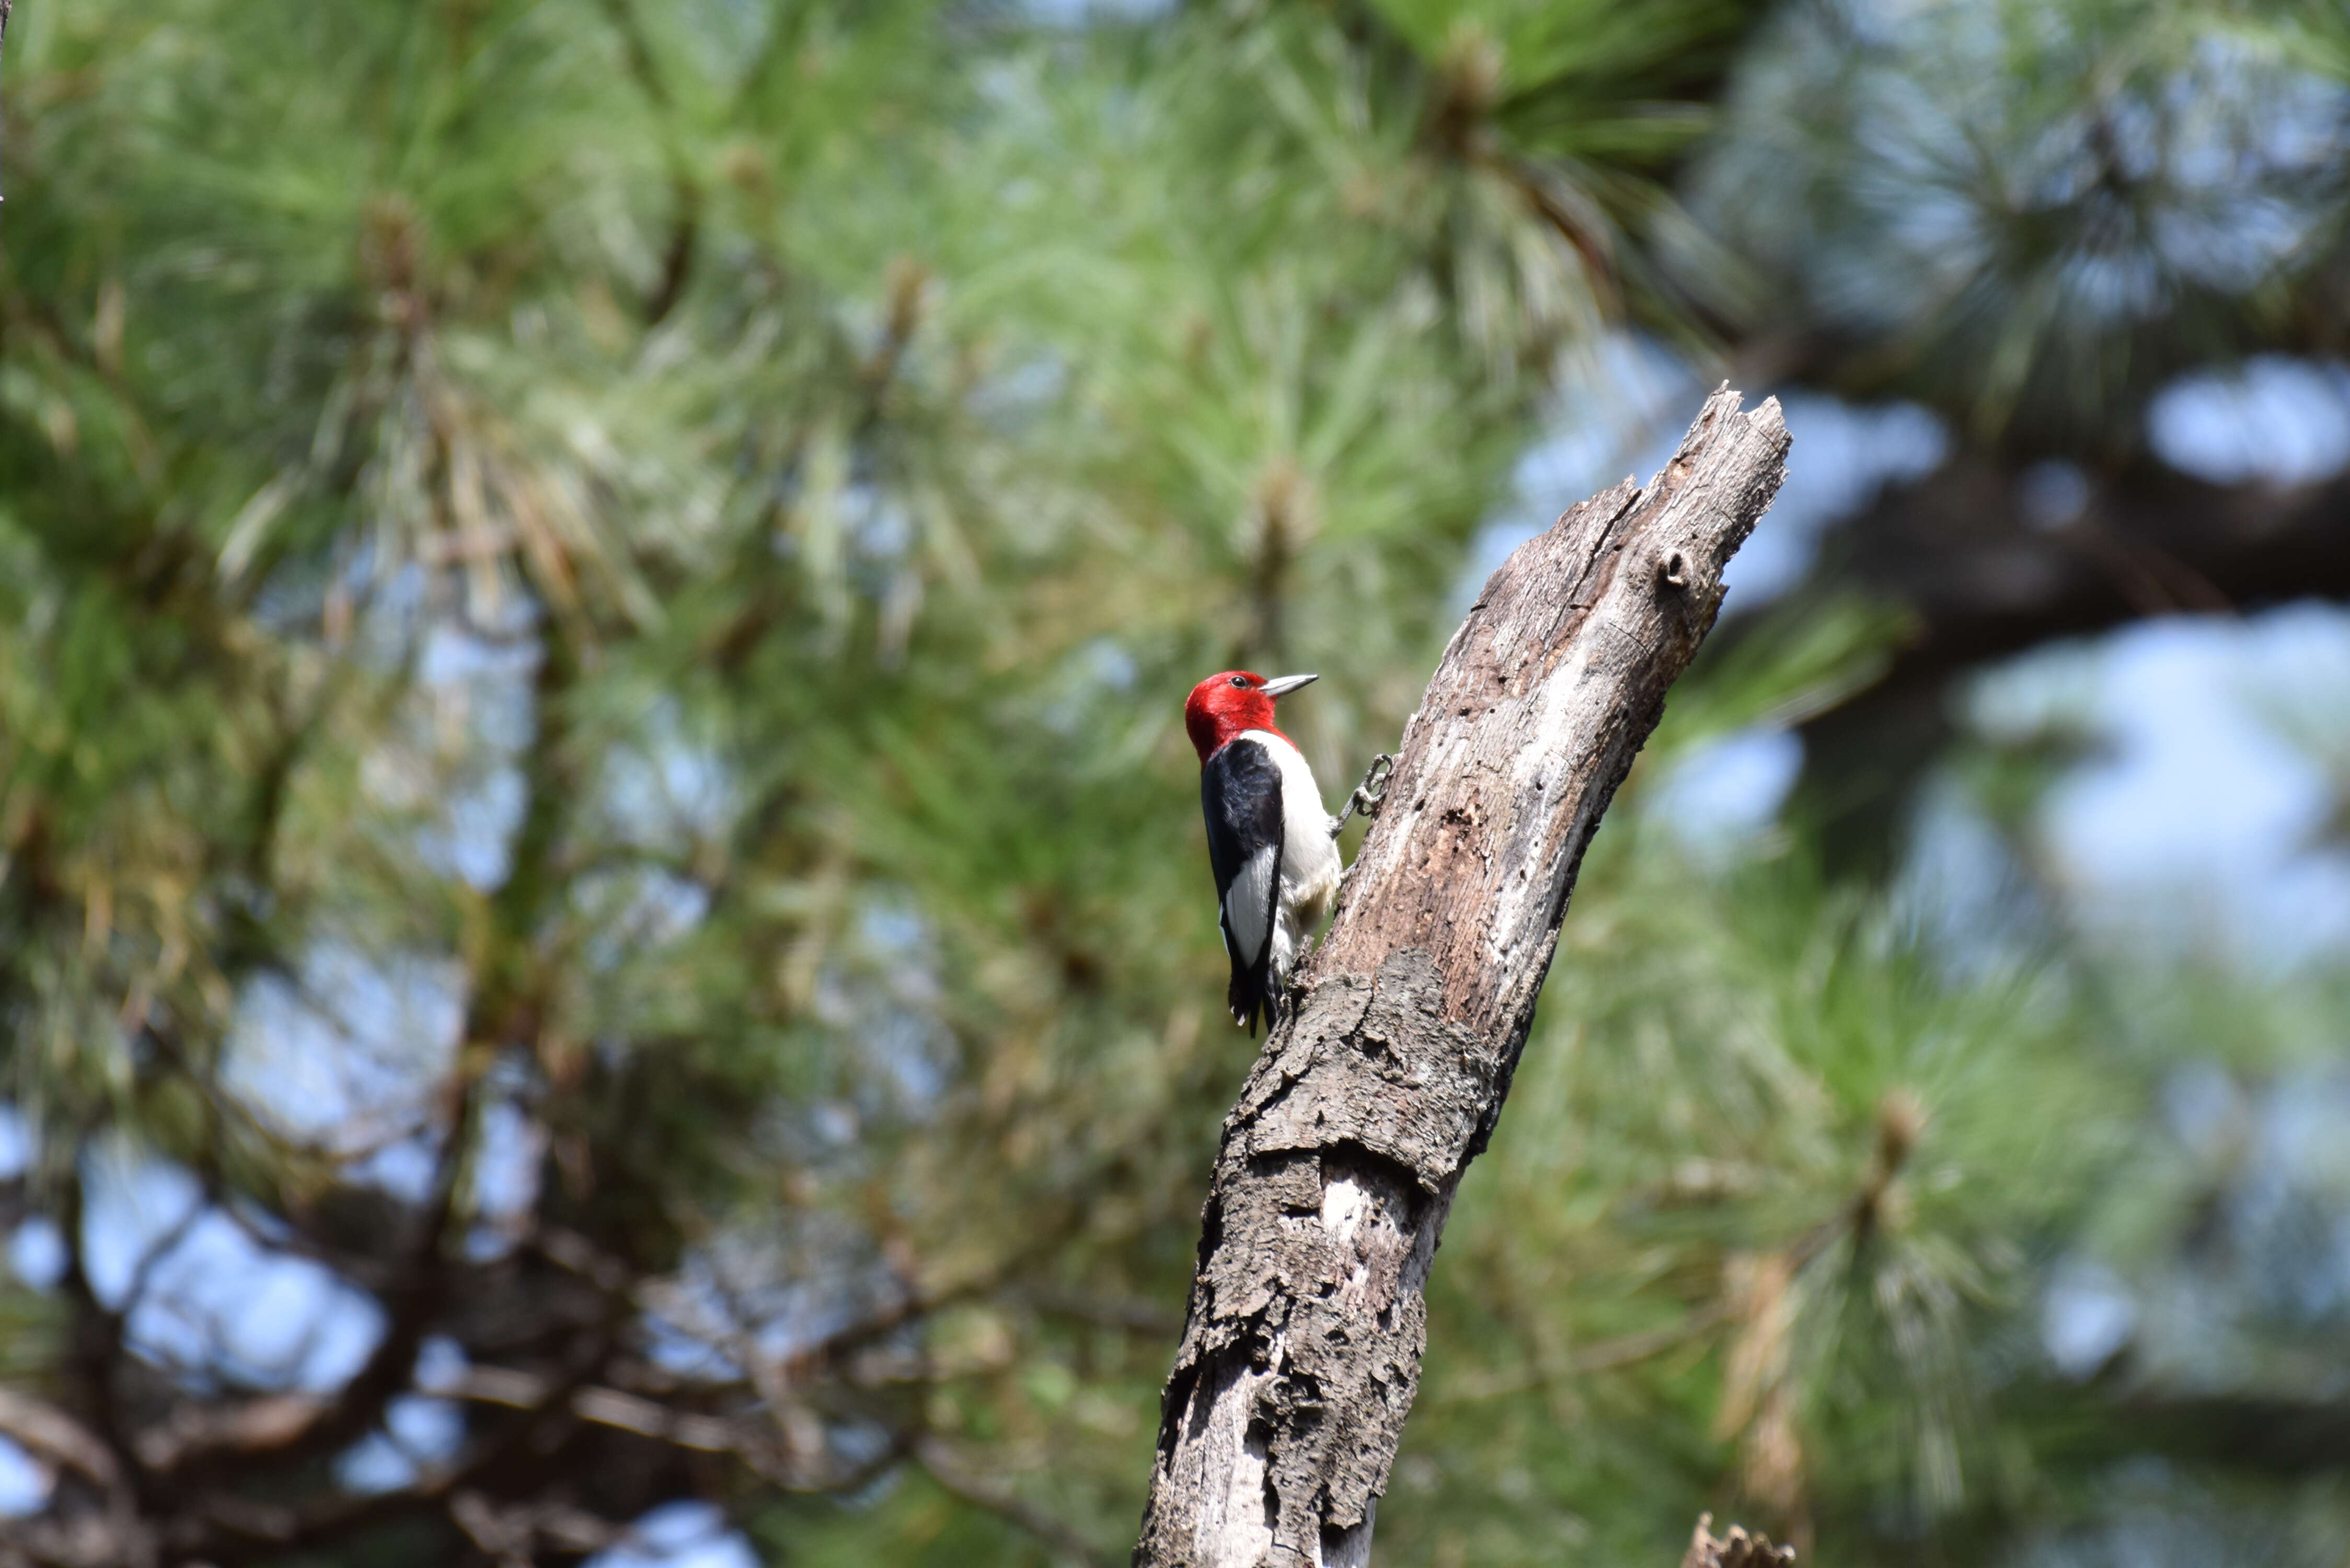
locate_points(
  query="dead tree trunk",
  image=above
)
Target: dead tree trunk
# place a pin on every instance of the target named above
(1301, 1352)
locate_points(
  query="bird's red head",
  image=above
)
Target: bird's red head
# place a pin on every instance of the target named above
(1224, 705)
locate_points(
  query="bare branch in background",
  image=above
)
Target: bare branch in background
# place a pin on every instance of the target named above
(954, 1476)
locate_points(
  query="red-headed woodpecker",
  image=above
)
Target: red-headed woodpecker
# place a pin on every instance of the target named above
(1265, 811)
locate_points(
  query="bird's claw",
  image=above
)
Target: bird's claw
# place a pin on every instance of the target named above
(1368, 793)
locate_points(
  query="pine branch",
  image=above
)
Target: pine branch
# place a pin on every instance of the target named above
(1985, 577)
(946, 1468)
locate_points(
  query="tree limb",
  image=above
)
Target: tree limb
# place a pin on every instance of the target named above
(52, 1434)
(1301, 1352)
(1736, 1550)
(959, 1480)
(1986, 573)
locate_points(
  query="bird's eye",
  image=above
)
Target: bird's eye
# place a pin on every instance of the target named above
(1241, 681)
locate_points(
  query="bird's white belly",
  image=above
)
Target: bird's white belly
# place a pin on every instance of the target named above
(1309, 856)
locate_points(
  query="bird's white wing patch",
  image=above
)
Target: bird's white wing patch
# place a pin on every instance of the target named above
(1245, 907)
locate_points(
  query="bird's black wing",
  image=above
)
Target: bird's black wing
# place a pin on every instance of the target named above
(1240, 794)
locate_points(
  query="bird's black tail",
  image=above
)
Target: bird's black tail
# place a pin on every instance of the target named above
(1255, 989)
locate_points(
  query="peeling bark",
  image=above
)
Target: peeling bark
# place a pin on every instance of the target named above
(1301, 1352)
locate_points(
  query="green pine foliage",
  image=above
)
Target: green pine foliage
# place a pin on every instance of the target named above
(604, 590)
(2031, 216)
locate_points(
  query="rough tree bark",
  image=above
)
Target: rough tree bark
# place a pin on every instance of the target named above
(1301, 1350)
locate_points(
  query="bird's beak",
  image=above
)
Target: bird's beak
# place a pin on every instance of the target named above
(1286, 684)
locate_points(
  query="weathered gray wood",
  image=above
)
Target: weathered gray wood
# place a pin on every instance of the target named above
(1301, 1350)
(1736, 1550)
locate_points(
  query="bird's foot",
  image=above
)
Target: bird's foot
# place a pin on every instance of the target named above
(1368, 793)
